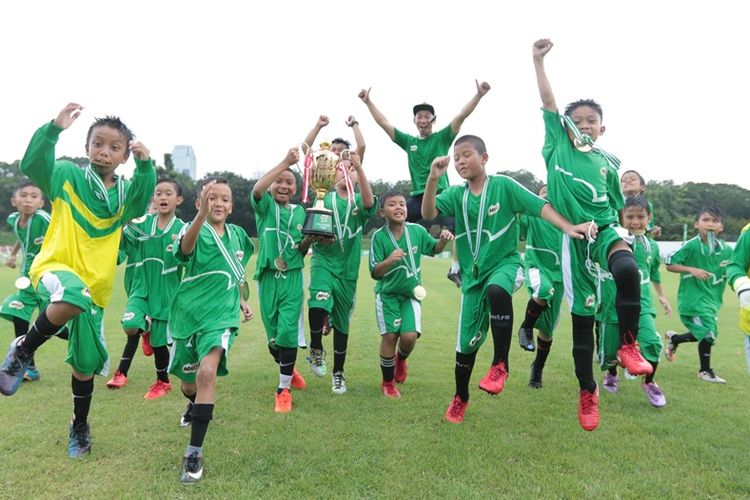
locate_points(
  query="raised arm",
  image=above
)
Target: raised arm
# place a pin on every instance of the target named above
(365, 190)
(539, 50)
(379, 117)
(310, 138)
(458, 120)
(358, 137)
(437, 169)
(189, 239)
(292, 157)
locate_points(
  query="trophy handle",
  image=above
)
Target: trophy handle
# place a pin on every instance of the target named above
(305, 148)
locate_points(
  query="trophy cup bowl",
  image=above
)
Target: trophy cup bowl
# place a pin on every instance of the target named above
(319, 220)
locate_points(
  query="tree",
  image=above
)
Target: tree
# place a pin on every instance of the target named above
(168, 164)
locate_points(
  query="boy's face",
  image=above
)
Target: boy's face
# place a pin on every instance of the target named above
(424, 120)
(631, 184)
(107, 149)
(219, 203)
(588, 122)
(394, 209)
(707, 222)
(469, 163)
(27, 200)
(635, 220)
(166, 198)
(283, 187)
(337, 148)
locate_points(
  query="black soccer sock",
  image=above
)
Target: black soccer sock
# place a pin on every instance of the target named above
(21, 327)
(501, 322)
(63, 333)
(387, 366)
(683, 337)
(704, 354)
(316, 317)
(625, 273)
(83, 391)
(650, 377)
(533, 311)
(464, 366)
(542, 351)
(131, 345)
(612, 370)
(583, 351)
(340, 341)
(161, 363)
(39, 333)
(275, 353)
(287, 359)
(202, 414)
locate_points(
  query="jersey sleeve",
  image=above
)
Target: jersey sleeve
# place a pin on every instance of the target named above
(739, 265)
(262, 205)
(553, 130)
(445, 201)
(247, 245)
(614, 189)
(366, 213)
(11, 220)
(655, 272)
(400, 138)
(680, 256)
(177, 247)
(520, 199)
(377, 251)
(426, 241)
(140, 190)
(38, 162)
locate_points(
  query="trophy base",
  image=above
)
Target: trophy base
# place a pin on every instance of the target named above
(319, 222)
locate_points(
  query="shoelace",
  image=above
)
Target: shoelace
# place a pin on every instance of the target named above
(587, 402)
(193, 463)
(456, 406)
(338, 381)
(496, 373)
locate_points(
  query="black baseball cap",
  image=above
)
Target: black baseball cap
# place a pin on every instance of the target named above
(423, 107)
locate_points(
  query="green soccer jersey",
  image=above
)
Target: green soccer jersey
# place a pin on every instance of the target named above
(739, 266)
(342, 257)
(701, 297)
(402, 276)
(581, 186)
(543, 242)
(495, 210)
(156, 272)
(421, 152)
(208, 297)
(648, 259)
(279, 233)
(30, 237)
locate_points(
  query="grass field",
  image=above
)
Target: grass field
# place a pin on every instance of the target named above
(523, 443)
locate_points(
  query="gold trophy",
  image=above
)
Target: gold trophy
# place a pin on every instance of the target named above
(320, 173)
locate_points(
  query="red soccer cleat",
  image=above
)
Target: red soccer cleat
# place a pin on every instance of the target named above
(630, 358)
(400, 370)
(118, 380)
(389, 389)
(494, 381)
(588, 410)
(455, 412)
(146, 344)
(158, 390)
(283, 401)
(297, 381)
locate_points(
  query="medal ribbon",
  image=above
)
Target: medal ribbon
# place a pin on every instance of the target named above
(97, 186)
(340, 230)
(586, 139)
(413, 268)
(474, 248)
(306, 173)
(234, 264)
(278, 229)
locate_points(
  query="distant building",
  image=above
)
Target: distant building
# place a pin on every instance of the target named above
(183, 159)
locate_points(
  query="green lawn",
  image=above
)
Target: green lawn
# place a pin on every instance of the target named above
(523, 443)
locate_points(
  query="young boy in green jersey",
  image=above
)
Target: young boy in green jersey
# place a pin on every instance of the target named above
(633, 184)
(29, 224)
(157, 275)
(395, 254)
(279, 272)
(543, 279)
(75, 269)
(424, 148)
(485, 209)
(635, 218)
(583, 185)
(214, 254)
(738, 276)
(334, 267)
(702, 263)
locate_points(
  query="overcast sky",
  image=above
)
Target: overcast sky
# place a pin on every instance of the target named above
(242, 82)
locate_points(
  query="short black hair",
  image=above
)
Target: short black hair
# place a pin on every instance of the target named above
(172, 181)
(341, 140)
(640, 177)
(711, 210)
(390, 194)
(26, 182)
(584, 102)
(637, 202)
(474, 140)
(115, 123)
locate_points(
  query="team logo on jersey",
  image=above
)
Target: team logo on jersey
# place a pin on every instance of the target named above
(413, 148)
(190, 368)
(86, 292)
(476, 338)
(140, 219)
(493, 209)
(590, 300)
(603, 171)
(128, 316)
(16, 304)
(39, 240)
(649, 259)
(299, 227)
(415, 249)
(239, 254)
(355, 211)
(322, 296)
(397, 322)
(170, 247)
(724, 263)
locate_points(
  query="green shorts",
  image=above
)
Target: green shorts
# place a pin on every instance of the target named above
(20, 304)
(281, 297)
(135, 314)
(158, 336)
(87, 349)
(398, 314)
(335, 295)
(648, 339)
(702, 327)
(473, 317)
(582, 266)
(550, 317)
(187, 354)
